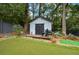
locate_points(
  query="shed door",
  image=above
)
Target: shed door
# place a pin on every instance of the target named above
(39, 29)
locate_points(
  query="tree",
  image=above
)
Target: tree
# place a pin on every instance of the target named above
(12, 13)
(33, 10)
(73, 19)
(26, 19)
(39, 9)
(64, 19)
(59, 13)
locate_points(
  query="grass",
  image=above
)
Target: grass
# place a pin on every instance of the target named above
(28, 46)
(71, 42)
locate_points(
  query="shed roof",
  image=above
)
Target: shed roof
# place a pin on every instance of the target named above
(40, 17)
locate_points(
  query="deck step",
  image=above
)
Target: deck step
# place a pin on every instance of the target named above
(38, 36)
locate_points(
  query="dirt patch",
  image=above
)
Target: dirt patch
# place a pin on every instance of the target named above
(1, 39)
(1, 35)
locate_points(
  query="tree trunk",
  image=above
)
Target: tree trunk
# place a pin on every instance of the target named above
(39, 9)
(33, 10)
(26, 28)
(26, 19)
(63, 20)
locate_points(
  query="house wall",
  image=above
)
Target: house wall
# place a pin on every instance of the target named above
(5, 27)
(47, 25)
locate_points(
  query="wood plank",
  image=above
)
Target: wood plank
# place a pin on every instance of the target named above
(38, 36)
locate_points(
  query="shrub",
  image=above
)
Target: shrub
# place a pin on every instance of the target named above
(58, 33)
(47, 32)
(17, 29)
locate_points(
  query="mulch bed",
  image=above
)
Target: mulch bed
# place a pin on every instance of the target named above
(70, 38)
(1, 35)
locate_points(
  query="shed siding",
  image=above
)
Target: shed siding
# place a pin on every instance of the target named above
(47, 25)
(5, 27)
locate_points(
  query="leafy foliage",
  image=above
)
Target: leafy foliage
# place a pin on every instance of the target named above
(18, 29)
(13, 13)
(21, 14)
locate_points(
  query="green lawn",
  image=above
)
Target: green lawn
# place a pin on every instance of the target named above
(70, 42)
(27, 46)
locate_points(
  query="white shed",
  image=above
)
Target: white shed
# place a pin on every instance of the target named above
(39, 25)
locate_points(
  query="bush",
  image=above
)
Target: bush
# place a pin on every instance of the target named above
(48, 32)
(17, 29)
(58, 33)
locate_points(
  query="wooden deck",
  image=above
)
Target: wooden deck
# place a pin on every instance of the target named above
(38, 36)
